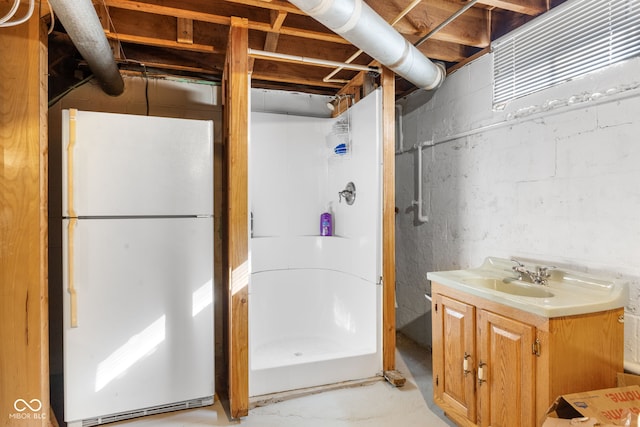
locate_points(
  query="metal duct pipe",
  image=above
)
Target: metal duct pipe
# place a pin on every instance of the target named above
(358, 23)
(81, 21)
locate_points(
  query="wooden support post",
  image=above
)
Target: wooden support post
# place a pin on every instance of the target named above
(236, 117)
(24, 323)
(388, 221)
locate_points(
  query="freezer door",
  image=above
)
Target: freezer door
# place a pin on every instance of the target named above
(144, 310)
(128, 165)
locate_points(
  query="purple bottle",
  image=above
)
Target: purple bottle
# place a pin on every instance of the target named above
(325, 224)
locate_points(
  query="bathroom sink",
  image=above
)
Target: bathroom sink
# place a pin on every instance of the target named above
(566, 293)
(510, 286)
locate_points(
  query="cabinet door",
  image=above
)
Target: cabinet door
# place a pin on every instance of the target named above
(453, 340)
(506, 387)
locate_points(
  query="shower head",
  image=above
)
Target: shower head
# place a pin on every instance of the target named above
(335, 102)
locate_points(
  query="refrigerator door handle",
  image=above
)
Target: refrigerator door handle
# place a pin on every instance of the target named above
(70, 147)
(73, 297)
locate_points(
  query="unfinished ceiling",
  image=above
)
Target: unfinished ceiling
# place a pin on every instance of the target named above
(190, 36)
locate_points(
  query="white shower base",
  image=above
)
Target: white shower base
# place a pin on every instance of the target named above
(311, 327)
(300, 350)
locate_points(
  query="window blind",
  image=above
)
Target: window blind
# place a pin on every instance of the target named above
(573, 39)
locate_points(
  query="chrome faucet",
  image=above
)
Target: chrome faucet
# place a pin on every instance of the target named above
(349, 194)
(538, 277)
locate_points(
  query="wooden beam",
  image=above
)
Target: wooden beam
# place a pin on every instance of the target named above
(168, 11)
(165, 66)
(24, 318)
(153, 41)
(277, 19)
(443, 51)
(388, 221)
(277, 77)
(185, 31)
(468, 29)
(527, 7)
(284, 6)
(220, 20)
(236, 110)
(271, 42)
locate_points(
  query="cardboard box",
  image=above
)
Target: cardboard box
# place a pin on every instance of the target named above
(608, 407)
(625, 379)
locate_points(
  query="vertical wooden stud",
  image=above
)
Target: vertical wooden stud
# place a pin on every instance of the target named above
(185, 31)
(24, 352)
(388, 221)
(277, 18)
(236, 111)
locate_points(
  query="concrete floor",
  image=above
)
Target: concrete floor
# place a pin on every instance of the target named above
(377, 404)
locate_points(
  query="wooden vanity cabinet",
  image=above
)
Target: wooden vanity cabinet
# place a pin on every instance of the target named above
(497, 366)
(454, 336)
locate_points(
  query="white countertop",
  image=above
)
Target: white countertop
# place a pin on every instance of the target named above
(571, 292)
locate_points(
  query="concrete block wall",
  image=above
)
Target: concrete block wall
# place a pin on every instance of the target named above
(554, 177)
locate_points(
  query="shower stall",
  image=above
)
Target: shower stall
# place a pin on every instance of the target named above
(315, 301)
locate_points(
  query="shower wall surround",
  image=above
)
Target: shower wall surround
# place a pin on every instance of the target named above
(314, 301)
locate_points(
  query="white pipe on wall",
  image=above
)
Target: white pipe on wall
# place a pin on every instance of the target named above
(418, 202)
(534, 112)
(358, 23)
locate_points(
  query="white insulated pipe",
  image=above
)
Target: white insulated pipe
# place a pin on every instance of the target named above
(81, 21)
(329, 78)
(356, 22)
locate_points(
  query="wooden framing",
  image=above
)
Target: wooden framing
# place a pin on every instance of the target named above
(185, 30)
(236, 87)
(24, 353)
(236, 118)
(388, 221)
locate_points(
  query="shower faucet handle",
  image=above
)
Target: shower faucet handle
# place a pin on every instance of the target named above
(349, 194)
(344, 193)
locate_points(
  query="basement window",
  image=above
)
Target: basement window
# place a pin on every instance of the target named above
(573, 39)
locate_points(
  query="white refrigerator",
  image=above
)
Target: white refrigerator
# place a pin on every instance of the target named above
(137, 197)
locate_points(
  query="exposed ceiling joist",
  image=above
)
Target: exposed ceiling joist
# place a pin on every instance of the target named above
(191, 35)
